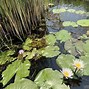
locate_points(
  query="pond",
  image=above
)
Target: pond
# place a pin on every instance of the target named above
(74, 10)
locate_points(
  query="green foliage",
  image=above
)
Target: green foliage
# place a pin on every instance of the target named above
(19, 68)
(69, 23)
(65, 61)
(5, 57)
(57, 11)
(22, 84)
(49, 78)
(83, 22)
(63, 35)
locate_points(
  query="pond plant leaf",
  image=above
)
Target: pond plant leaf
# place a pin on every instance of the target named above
(65, 61)
(85, 59)
(57, 11)
(50, 51)
(71, 10)
(50, 79)
(5, 57)
(80, 12)
(50, 39)
(16, 67)
(83, 22)
(69, 23)
(22, 84)
(63, 35)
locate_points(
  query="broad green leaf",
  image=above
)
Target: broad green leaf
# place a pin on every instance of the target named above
(22, 84)
(86, 63)
(65, 61)
(26, 45)
(57, 11)
(5, 57)
(63, 35)
(69, 23)
(50, 79)
(83, 22)
(50, 39)
(10, 71)
(50, 51)
(23, 70)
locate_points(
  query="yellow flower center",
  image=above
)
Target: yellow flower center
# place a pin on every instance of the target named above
(78, 65)
(66, 74)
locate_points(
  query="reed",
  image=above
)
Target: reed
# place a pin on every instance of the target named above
(18, 19)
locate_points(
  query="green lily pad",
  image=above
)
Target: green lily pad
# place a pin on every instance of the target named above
(50, 79)
(71, 10)
(22, 84)
(50, 39)
(69, 23)
(83, 22)
(63, 35)
(86, 63)
(65, 61)
(50, 51)
(80, 12)
(57, 11)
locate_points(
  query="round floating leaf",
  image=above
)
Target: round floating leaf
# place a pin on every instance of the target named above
(50, 51)
(69, 23)
(50, 39)
(83, 22)
(50, 79)
(71, 10)
(57, 11)
(65, 61)
(63, 35)
(80, 12)
(22, 84)
(86, 63)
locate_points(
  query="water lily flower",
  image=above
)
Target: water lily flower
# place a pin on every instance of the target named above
(21, 51)
(78, 64)
(67, 72)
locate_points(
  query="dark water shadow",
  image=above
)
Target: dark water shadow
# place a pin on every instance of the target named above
(84, 84)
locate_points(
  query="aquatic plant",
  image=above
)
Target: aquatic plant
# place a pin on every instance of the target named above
(20, 18)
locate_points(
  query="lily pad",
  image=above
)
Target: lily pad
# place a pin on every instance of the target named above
(63, 35)
(65, 61)
(50, 51)
(50, 79)
(57, 11)
(71, 10)
(83, 22)
(50, 39)
(22, 84)
(69, 23)
(80, 12)
(86, 63)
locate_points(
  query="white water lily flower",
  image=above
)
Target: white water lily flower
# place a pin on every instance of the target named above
(67, 72)
(78, 64)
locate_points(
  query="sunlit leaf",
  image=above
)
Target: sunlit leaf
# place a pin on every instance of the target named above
(71, 10)
(48, 78)
(65, 61)
(69, 23)
(57, 11)
(83, 22)
(22, 84)
(50, 39)
(50, 51)
(63, 35)
(80, 12)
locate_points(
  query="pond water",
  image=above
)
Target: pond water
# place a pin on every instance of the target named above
(54, 23)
